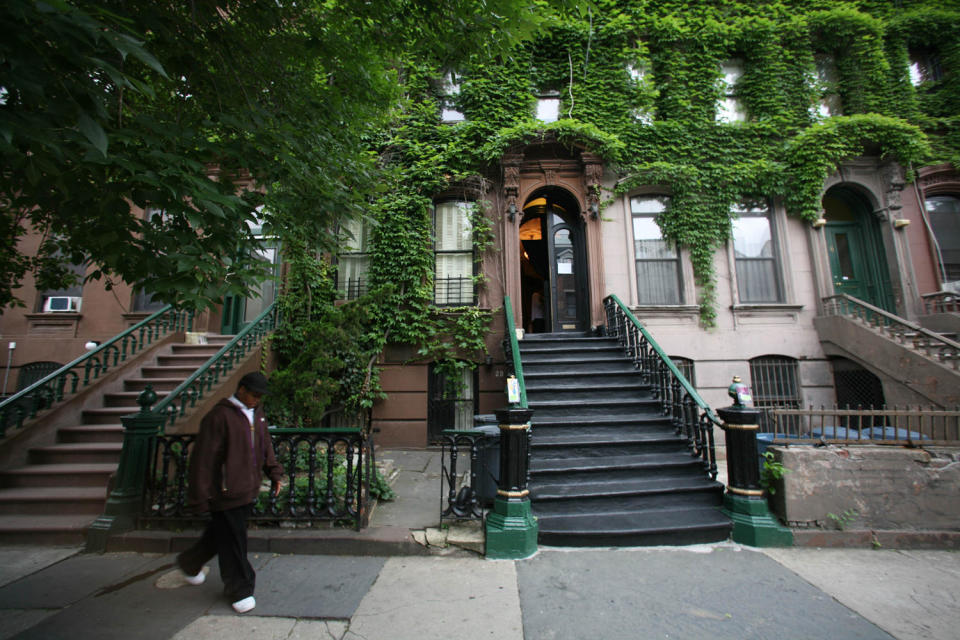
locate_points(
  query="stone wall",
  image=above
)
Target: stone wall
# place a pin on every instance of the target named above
(869, 487)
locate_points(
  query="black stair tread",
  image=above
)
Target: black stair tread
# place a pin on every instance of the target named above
(599, 420)
(626, 523)
(600, 436)
(599, 463)
(635, 486)
(596, 403)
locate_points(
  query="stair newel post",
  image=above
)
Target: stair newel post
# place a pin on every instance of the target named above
(126, 500)
(511, 528)
(744, 501)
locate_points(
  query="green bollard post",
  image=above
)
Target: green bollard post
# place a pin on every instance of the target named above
(744, 502)
(126, 500)
(511, 528)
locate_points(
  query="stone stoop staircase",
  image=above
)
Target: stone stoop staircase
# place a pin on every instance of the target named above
(63, 488)
(606, 467)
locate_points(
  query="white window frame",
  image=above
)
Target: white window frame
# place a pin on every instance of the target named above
(765, 211)
(677, 260)
(453, 256)
(353, 259)
(729, 108)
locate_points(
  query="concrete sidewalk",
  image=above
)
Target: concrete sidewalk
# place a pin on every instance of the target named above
(387, 586)
(711, 591)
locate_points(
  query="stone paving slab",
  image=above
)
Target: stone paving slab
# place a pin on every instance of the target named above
(260, 628)
(130, 607)
(17, 561)
(910, 594)
(434, 598)
(716, 592)
(328, 587)
(66, 582)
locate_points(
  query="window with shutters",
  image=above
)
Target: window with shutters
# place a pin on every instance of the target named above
(453, 281)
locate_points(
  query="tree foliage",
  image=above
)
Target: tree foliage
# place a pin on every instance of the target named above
(173, 106)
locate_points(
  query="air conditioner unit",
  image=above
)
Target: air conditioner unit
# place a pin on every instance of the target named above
(62, 304)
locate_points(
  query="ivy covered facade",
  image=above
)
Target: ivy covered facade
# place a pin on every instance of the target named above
(722, 167)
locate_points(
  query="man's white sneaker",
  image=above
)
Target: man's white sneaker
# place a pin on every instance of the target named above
(242, 606)
(197, 579)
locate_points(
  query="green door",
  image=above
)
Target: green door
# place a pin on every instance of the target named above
(848, 261)
(232, 320)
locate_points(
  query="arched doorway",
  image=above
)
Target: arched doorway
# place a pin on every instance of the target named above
(553, 261)
(858, 262)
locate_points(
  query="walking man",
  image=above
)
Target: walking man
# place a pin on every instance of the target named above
(232, 449)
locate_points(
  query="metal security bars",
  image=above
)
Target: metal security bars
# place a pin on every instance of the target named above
(775, 381)
(691, 416)
(328, 474)
(87, 369)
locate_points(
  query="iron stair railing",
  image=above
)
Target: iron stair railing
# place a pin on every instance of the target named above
(87, 369)
(208, 376)
(511, 349)
(691, 416)
(932, 346)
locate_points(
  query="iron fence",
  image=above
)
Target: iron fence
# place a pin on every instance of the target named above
(894, 426)
(470, 474)
(328, 475)
(941, 302)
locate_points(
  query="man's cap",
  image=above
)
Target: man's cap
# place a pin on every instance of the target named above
(255, 382)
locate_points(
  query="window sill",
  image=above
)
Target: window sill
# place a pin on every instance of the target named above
(767, 311)
(63, 323)
(672, 310)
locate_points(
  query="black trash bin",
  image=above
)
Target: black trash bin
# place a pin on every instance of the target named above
(488, 475)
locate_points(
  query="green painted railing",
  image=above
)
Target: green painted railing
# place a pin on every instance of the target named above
(88, 368)
(691, 416)
(204, 379)
(512, 350)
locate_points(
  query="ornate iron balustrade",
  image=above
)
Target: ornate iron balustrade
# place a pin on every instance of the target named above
(511, 350)
(328, 475)
(941, 302)
(204, 379)
(691, 416)
(461, 495)
(895, 426)
(88, 368)
(926, 343)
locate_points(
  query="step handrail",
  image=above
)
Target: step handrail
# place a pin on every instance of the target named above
(687, 387)
(53, 387)
(205, 378)
(849, 307)
(514, 347)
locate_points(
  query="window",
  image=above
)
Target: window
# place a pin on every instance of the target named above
(453, 244)
(68, 299)
(548, 107)
(451, 400)
(658, 263)
(686, 368)
(640, 76)
(353, 261)
(827, 83)
(925, 66)
(451, 91)
(758, 278)
(775, 382)
(729, 109)
(944, 214)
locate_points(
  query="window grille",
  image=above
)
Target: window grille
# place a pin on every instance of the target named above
(775, 383)
(686, 368)
(657, 259)
(451, 402)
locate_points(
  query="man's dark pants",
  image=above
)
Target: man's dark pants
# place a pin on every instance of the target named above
(226, 538)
